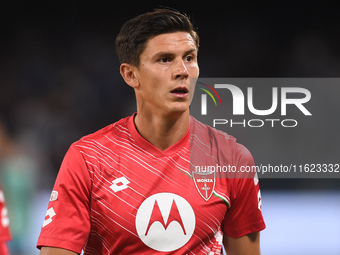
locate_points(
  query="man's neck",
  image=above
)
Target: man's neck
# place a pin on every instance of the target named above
(162, 131)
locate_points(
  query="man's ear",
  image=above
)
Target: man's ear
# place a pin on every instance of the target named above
(130, 74)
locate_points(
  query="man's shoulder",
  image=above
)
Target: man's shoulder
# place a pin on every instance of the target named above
(210, 146)
(207, 132)
(207, 136)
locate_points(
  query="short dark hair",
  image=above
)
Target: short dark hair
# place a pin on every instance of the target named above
(134, 34)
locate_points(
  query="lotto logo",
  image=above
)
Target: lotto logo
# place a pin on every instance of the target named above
(49, 215)
(119, 184)
(259, 200)
(4, 217)
(3, 210)
(165, 222)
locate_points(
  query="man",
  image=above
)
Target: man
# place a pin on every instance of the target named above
(128, 188)
(4, 226)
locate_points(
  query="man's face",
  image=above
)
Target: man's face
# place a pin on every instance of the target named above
(166, 66)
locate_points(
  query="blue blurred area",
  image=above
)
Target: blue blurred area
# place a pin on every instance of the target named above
(300, 222)
(59, 80)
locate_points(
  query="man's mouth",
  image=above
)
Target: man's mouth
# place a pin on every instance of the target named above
(180, 90)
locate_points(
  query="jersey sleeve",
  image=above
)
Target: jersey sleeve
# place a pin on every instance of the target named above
(244, 215)
(67, 221)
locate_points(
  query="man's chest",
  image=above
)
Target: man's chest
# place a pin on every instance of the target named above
(156, 203)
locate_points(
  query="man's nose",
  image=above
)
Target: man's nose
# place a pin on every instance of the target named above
(180, 70)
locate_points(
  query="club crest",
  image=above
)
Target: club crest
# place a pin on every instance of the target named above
(205, 183)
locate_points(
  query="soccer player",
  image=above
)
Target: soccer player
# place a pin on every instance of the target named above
(129, 187)
(4, 226)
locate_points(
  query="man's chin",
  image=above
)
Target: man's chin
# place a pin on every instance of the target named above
(179, 111)
(180, 107)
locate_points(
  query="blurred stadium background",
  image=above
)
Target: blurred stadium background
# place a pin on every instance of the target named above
(59, 80)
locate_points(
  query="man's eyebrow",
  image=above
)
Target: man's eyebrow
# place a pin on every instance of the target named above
(163, 54)
(191, 51)
(171, 54)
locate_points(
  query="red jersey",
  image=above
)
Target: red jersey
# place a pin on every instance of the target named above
(4, 225)
(118, 194)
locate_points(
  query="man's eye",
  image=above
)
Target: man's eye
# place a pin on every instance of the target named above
(164, 60)
(189, 58)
